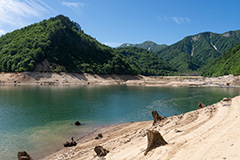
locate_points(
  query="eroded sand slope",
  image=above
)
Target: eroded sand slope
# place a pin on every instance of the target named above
(209, 133)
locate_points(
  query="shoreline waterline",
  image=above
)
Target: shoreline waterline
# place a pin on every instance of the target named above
(189, 130)
(49, 111)
(76, 79)
(87, 136)
(106, 131)
(177, 130)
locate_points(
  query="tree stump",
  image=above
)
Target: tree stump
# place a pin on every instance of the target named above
(226, 99)
(77, 123)
(101, 151)
(70, 144)
(201, 105)
(99, 136)
(23, 155)
(155, 140)
(156, 117)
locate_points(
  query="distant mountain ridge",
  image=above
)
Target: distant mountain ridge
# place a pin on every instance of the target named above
(148, 45)
(60, 45)
(193, 52)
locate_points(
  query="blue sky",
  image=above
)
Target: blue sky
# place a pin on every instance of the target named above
(114, 22)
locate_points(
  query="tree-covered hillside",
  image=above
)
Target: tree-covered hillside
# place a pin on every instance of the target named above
(193, 52)
(146, 62)
(62, 42)
(228, 63)
(148, 45)
(61, 45)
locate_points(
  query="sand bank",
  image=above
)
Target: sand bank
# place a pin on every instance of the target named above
(38, 78)
(209, 133)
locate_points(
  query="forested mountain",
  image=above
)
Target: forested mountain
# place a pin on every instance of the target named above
(148, 45)
(193, 52)
(228, 63)
(59, 44)
(146, 62)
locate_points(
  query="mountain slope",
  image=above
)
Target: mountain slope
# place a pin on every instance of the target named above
(63, 44)
(59, 44)
(148, 45)
(193, 52)
(228, 63)
(146, 62)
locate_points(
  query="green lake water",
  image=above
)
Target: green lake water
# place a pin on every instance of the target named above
(39, 119)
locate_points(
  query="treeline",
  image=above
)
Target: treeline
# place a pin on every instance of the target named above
(146, 62)
(60, 41)
(194, 52)
(228, 63)
(64, 43)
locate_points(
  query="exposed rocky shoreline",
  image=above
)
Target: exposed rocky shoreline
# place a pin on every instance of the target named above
(47, 78)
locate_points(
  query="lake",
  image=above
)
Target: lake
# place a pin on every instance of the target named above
(39, 119)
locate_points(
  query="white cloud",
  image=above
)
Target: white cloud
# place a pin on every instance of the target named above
(166, 18)
(13, 12)
(187, 20)
(2, 32)
(181, 20)
(73, 5)
(178, 20)
(112, 44)
(46, 6)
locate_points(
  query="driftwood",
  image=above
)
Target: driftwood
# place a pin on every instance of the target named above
(155, 140)
(101, 151)
(201, 105)
(23, 155)
(156, 117)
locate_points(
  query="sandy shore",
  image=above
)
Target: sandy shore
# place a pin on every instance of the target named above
(209, 133)
(37, 78)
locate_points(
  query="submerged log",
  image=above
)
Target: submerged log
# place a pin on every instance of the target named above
(101, 151)
(155, 140)
(23, 155)
(201, 105)
(157, 117)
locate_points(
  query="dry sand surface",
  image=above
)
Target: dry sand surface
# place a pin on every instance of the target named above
(211, 133)
(46, 78)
